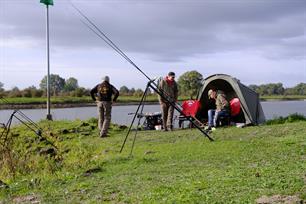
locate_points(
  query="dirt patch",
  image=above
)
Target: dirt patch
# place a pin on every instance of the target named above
(3, 185)
(279, 199)
(92, 171)
(33, 199)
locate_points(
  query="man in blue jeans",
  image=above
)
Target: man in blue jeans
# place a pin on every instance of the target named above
(211, 107)
(218, 107)
(222, 107)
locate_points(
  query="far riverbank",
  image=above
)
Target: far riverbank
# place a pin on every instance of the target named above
(71, 102)
(65, 105)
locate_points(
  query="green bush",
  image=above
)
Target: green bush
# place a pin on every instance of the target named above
(289, 119)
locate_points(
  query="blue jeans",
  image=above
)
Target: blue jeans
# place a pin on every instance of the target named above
(211, 114)
(218, 114)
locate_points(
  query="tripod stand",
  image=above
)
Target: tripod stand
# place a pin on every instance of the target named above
(191, 119)
(139, 115)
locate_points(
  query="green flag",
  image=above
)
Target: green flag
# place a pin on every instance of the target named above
(47, 2)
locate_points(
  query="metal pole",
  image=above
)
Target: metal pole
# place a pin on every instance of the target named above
(49, 116)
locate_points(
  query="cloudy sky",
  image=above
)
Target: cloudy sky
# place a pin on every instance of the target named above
(256, 41)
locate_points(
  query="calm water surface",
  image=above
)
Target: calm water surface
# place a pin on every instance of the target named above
(120, 114)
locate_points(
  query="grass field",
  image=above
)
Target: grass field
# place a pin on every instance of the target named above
(240, 166)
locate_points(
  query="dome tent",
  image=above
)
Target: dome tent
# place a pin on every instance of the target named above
(251, 110)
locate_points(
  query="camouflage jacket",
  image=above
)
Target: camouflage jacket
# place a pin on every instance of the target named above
(221, 102)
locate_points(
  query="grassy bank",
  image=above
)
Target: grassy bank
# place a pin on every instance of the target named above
(283, 98)
(63, 102)
(58, 102)
(67, 99)
(75, 100)
(241, 166)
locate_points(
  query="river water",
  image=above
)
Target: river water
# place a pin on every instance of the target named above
(120, 114)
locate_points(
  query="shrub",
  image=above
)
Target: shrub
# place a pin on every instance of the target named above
(289, 119)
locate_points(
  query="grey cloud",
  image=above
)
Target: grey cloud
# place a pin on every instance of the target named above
(167, 30)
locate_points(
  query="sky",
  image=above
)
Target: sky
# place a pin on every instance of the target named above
(255, 41)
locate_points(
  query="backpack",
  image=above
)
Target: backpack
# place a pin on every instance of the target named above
(105, 92)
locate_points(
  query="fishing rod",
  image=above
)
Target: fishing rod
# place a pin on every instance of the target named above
(23, 118)
(107, 39)
(93, 27)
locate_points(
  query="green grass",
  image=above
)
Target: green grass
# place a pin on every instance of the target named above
(240, 166)
(288, 119)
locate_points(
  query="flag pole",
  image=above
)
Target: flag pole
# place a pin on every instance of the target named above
(49, 116)
(47, 3)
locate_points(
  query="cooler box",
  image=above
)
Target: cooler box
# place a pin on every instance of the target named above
(235, 106)
(191, 107)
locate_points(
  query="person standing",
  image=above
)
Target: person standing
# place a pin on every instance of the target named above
(102, 94)
(169, 89)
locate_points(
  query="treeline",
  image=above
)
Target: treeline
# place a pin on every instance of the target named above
(59, 87)
(189, 84)
(278, 89)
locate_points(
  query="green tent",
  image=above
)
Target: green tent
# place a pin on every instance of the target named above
(251, 110)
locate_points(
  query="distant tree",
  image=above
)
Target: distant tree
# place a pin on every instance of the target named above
(124, 90)
(254, 87)
(1, 87)
(57, 84)
(275, 89)
(79, 92)
(32, 91)
(132, 91)
(27, 92)
(138, 92)
(299, 89)
(2, 91)
(269, 89)
(278, 89)
(15, 92)
(71, 84)
(289, 91)
(190, 83)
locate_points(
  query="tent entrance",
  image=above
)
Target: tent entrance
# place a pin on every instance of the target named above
(219, 84)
